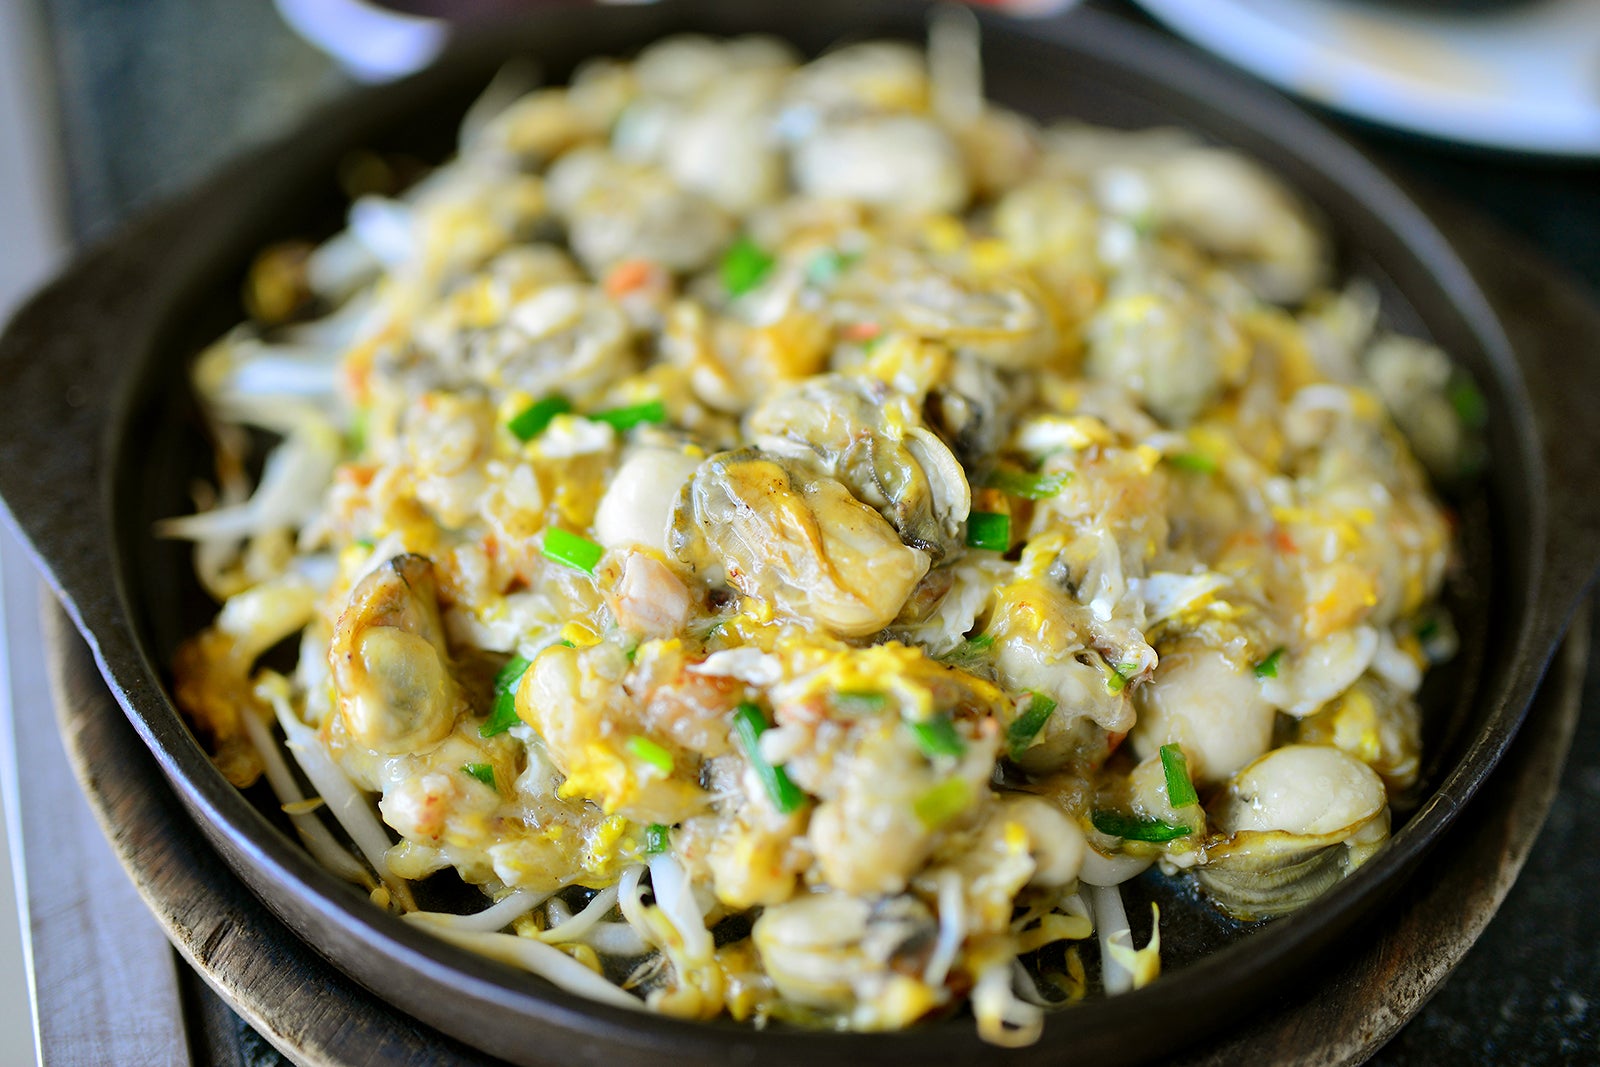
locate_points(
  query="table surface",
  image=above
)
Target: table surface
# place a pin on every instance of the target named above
(152, 95)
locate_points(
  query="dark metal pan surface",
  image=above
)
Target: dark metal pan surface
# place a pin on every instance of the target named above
(102, 439)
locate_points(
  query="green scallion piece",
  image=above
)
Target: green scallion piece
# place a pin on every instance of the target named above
(1180, 790)
(356, 437)
(860, 700)
(749, 724)
(1025, 727)
(503, 715)
(483, 772)
(1268, 668)
(1471, 408)
(943, 802)
(564, 546)
(1116, 681)
(938, 737)
(624, 419)
(988, 530)
(651, 753)
(367, 543)
(1193, 462)
(968, 651)
(534, 419)
(826, 266)
(1134, 828)
(656, 840)
(1028, 486)
(744, 266)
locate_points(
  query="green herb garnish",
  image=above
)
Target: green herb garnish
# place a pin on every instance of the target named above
(624, 419)
(826, 266)
(744, 266)
(1471, 408)
(566, 547)
(503, 715)
(748, 725)
(988, 530)
(1193, 462)
(860, 700)
(943, 802)
(1268, 668)
(1028, 486)
(534, 419)
(483, 772)
(1134, 828)
(357, 435)
(1025, 727)
(651, 753)
(1180, 790)
(937, 737)
(656, 840)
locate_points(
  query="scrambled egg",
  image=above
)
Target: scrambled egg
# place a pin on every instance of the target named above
(847, 501)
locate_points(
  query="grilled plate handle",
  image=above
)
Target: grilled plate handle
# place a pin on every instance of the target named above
(65, 361)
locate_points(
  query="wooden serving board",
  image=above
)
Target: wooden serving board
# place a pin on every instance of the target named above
(315, 1015)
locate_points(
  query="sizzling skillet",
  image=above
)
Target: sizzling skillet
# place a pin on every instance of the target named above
(102, 443)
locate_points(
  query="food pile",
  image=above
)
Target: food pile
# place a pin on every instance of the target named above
(798, 536)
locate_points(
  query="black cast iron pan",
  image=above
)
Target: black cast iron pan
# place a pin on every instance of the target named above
(101, 439)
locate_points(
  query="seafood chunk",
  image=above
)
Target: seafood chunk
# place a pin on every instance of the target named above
(908, 474)
(391, 669)
(899, 162)
(1299, 819)
(782, 533)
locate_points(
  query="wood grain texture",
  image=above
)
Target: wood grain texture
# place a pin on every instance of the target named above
(317, 1016)
(103, 976)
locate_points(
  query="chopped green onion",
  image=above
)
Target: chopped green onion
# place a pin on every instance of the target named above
(536, 417)
(564, 546)
(1120, 673)
(483, 772)
(937, 737)
(656, 840)
(624, 419)
(988, 530)
(744, 266)
(1025, 727)
(1133, 828)
(651, 753)
(1180, 790)
(503, 716)
(1193, 462)
(968, 651)
(357, 437)
(1470, 406)
(943, 802)
(367, 543)
(1268, 668)
(632, 653)
(1028, 486)
(860, 700)
(749, 724)
(826, 266)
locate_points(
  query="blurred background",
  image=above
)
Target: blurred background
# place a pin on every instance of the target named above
(110, 105)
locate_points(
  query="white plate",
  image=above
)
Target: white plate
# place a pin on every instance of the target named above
(1526, 77)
